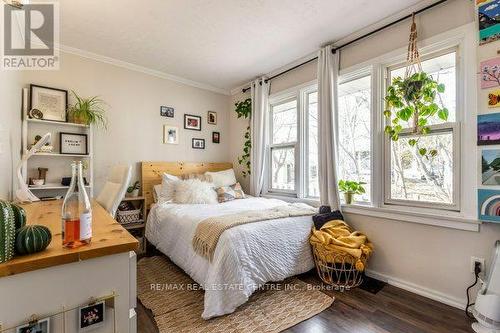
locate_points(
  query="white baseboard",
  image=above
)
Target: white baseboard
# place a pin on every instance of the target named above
(419, 290)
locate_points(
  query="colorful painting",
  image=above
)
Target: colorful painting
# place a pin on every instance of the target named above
(494, 99)
(490, 73)
(488, 129)
(490, 166)
(489, 20)
(489, 205)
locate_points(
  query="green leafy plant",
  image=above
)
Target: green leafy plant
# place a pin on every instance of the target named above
(351, 186)
(89, 111)
(133, 187)
(244, 110)
(413, 101)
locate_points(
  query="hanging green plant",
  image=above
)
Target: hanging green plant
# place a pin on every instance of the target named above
(412, 100)
(244, 110)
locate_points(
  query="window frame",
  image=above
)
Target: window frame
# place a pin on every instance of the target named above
(453, 127)
(301, 150)
(348, 77)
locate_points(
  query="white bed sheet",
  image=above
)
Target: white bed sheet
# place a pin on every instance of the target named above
(246, 256)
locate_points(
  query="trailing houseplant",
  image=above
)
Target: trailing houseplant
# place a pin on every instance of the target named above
(413, 101)
(133, 190)
(244, 110)
(350, 188)
(88, 111)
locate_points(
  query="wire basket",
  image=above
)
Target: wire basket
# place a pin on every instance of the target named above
(337, 269)
(128, 216)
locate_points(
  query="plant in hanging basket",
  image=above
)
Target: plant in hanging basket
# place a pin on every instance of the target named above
(413, 101)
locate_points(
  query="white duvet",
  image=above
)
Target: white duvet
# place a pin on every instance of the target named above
(246, 257)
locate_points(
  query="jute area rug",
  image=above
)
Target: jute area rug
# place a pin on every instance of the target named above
(177, 306)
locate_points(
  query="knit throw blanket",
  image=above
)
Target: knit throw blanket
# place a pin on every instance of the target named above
(208, 231)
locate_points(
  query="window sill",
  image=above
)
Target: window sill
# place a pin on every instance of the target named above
(451, 220)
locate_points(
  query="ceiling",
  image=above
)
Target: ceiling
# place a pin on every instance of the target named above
(218, 43)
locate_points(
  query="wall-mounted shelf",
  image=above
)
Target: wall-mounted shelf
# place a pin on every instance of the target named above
(61, 155)
(58, 164)
(51, 122)
(50, 186)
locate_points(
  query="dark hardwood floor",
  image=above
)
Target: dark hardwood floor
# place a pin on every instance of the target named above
(391, 310)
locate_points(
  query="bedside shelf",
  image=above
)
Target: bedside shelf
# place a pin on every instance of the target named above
(59, 123)
(139, 198)
(135, 225)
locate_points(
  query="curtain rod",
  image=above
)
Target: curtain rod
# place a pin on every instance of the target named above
(357, 39)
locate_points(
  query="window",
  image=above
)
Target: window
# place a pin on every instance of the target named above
(293, 148)
(283, 146)
(415, 180)
(354, 132)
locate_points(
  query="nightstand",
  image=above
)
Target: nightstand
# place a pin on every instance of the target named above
(138, 229)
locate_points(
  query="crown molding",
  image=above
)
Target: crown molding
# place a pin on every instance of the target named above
(140, 69)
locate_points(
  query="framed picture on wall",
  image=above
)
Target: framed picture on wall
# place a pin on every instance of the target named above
(170, 134)
(215, 137)
(192, 122)
(212, 117)
(167, 111)
(48, 103)
(73, 144)
(198, 143)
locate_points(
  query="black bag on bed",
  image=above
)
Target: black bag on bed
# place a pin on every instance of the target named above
(326, 215)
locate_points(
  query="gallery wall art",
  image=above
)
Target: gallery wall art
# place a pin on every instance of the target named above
(489, 23)
(490, 73)
(488, 129)
(489, 205)
(490, 166)
(494, 99)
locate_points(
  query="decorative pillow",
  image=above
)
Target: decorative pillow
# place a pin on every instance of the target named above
(222, 178)
(200, 176)
(228, 193)
(194, 191)
(167, 187)
(156, 192)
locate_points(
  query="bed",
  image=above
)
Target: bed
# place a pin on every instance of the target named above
(246, 256)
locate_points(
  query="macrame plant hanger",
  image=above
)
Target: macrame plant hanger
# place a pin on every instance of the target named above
(413, 64)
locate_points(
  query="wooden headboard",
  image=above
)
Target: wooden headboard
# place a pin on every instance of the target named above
(152, 172)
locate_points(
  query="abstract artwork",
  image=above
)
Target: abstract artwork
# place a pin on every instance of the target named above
(490, 166)
(488, 129)
(489, 20)
(489, 205)
(490, 73)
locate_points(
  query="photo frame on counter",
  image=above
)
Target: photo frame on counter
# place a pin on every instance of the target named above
(73, 144)
(48, 103)
(38, 326)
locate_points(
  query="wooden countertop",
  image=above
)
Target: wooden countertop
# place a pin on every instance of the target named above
(108, 237)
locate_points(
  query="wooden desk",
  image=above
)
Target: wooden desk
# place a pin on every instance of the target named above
(108, 237)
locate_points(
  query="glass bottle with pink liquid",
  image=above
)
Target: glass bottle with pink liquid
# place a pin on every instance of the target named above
(76, 211)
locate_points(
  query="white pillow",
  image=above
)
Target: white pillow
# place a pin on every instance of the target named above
(222, 178)
(194, 191)
(167, 187)
(156, 192)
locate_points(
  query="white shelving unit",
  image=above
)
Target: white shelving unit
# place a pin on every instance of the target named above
(59, 165)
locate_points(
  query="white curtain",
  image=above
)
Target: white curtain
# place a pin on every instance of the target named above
(259, 134)
(328, 68)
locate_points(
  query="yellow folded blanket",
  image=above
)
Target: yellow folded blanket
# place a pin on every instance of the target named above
(336, 237)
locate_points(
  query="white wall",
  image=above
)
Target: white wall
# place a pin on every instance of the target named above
(433, 261)
(135, 130)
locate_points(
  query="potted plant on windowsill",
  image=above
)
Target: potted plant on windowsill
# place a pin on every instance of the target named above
(88, 111)
(133, 190)
(350, 188)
